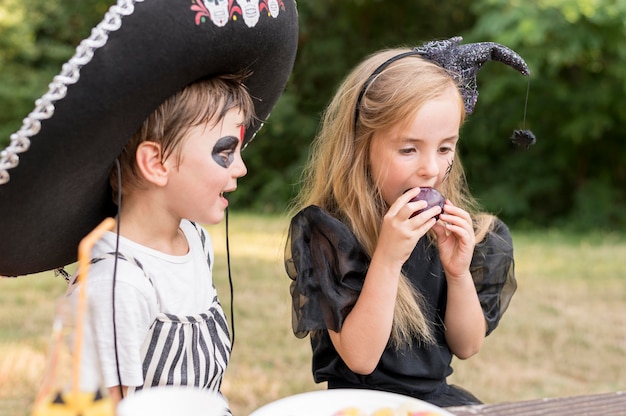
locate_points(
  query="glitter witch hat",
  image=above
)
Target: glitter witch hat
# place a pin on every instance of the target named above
(463, 62)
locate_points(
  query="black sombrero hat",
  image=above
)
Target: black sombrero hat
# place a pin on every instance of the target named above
(54, 174)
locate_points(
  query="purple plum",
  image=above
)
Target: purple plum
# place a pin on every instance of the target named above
(432, 198)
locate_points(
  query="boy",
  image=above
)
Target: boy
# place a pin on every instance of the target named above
(147, 88)
(169, 327)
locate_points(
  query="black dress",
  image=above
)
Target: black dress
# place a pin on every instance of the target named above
(328, 265)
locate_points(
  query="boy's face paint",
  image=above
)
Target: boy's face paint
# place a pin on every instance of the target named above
(208, 168)
(224, 150)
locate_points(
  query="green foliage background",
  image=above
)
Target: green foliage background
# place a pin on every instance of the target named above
(574, 177)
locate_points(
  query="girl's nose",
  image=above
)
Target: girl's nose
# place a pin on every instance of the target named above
(428, 166)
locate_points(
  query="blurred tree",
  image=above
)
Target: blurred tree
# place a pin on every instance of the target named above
(575, 175)
(37, 38)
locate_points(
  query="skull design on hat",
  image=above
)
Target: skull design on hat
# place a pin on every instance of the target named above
(250, 11)
(220, 12)
(273, 7)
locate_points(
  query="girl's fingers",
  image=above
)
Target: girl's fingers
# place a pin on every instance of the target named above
(454, 215)
(458, 222)
(403, 206)
(422, 213)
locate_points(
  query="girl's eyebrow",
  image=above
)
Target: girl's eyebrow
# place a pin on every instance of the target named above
(415, 139)
(454, 138)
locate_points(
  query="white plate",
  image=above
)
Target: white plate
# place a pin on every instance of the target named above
(172, 401)
(328, 402)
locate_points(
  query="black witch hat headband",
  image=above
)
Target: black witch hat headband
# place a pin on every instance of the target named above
(463, 62)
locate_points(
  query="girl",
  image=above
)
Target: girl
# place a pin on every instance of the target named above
(389, 297)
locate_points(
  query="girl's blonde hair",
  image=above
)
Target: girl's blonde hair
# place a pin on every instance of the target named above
(207, 100)
(337, 176)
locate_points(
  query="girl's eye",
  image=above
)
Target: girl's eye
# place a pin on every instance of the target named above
(407, 150)
(446, 149)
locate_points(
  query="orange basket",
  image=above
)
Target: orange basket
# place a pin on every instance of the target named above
(59, 396)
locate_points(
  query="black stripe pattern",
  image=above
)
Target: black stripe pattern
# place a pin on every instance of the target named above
(187, 350)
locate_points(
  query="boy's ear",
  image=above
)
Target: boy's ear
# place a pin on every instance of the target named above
(150, 164)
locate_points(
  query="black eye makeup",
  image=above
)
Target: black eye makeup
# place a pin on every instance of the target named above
(224, 150)
(448, 170)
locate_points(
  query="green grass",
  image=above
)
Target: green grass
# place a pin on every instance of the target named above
(564, 333)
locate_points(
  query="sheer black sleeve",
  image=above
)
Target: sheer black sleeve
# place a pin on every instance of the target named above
(327, 265)
(493, 272)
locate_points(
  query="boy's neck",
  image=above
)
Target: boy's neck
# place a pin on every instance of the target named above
(152, 228)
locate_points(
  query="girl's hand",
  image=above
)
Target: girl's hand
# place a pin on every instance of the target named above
(399, 232)
(455, 240)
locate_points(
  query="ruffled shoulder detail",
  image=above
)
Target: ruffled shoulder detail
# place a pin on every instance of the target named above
(493, 271)
(327, 265)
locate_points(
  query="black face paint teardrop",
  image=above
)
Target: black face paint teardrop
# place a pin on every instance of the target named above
(448, 171)
(224, 151)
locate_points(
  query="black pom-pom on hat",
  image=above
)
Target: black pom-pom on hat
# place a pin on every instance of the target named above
(524, 138)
